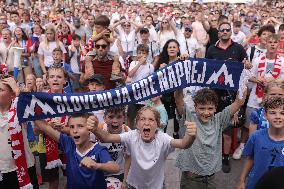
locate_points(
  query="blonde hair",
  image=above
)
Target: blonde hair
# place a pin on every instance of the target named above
(51, 27)
(155, 112)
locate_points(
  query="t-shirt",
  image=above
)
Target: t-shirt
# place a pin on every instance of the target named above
(204, 157)
(239, 37)
(143, 71)
(257, 52)
(266, 154)
(253, 100)
(46, 51)
(257, 117)
(81, 177)
(153, 51)
(192, 46)
(147, 159)
(116, 150)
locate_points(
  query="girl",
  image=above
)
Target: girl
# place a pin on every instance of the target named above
(257, 119)
(10, 176)
(21, 40)
(147, 145)
(46, 48)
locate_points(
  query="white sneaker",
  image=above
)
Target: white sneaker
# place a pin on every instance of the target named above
(238, 152)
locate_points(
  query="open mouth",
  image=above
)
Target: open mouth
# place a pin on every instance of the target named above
(76, 137)
(115, 127)
(146, 132)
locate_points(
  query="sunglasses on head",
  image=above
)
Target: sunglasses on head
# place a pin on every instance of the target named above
(99, 46)
(225, 29)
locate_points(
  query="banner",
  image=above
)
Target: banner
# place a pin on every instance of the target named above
(178, 75)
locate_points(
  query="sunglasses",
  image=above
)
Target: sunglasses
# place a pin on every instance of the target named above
(188, 30)
(213, 20)
(99, 46)
(126, 25)
(225, 29)
(164, 22)
(60, 65)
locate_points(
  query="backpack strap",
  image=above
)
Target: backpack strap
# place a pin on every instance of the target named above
(252, 53)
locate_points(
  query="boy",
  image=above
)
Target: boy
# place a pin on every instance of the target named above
(13, 133)
(138, 70)
(81, 154)
(200, 162)
(57, 56)
(280, 49)
(76, 55)
(264, 148)
(148, 147)
(113, 124)
(238, 36)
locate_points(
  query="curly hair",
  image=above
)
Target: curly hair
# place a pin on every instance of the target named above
(206, 96)
(155, 112)
(273, 103)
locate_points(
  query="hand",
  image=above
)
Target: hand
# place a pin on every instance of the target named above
(92, 123)
(235, 119)
(163, 65)
(142, 60)
(11, 82)
(39, 84)
(247, 64)
(56, 124)
(241, 185)
(89, 163)
(191, 128)
(183, 57)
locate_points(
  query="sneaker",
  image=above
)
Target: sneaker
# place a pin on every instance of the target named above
(115, 77)
(226, 167)
(238, 152)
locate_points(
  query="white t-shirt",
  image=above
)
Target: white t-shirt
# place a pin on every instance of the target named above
(163, 37)
(46, 51)
(127, 40)
(257, 52)
(7, 162)
(147, 159)
(253, 100)
(191, 46)
(116, 150)
(239, 37)
(143, 71)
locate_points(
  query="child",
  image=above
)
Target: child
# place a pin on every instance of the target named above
(114, 119)
(86, 161)
(57, 55)
(159, 106)
(49, 159)
(19, 154)
(76, 55)
(200, 162)
(257, 117)
(148, 147)
(264, 148)
(138, 69)
(238, 36)
(280, 49)
(95, 84)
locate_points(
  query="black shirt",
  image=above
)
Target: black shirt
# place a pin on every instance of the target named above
(213, 35)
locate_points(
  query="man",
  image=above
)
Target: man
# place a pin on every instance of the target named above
(192, 46)
(226, 49)
(100, 62)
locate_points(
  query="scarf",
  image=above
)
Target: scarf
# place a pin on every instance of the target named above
(52, 156)
(261, 73)
(18, 149)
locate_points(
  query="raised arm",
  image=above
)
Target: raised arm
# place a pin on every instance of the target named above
(188, 138)
(10, 81)
(47, 129)
(237, 104)
(103, 136)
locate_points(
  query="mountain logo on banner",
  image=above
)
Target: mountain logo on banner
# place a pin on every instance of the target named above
(222, 77)
(38, 108)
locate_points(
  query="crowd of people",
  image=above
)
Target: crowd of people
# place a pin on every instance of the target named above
(91, 46)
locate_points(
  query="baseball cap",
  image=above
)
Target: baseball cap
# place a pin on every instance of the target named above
(98, 78)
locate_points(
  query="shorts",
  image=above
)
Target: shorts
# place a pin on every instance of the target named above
(48, 175)
(249, 110)
(190, 182)
(10, 180)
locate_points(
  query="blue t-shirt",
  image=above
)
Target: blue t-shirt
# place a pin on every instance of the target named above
(81, 177)
(266, 154)
(257, 117)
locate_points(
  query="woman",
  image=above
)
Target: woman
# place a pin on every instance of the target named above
(46, 47)
(167, 31)
(21, 40)
(170, 54)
